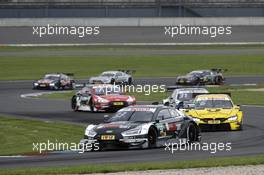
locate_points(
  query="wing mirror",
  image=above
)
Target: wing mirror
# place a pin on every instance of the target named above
(237, 107)
(160, 118)
(106, 118)
(167, 104)
(191, 106)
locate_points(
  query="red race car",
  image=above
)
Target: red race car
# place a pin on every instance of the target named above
(101, 98)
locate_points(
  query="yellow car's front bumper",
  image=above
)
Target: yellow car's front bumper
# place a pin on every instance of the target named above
(233, 125)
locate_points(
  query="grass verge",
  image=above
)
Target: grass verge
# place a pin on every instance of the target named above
(21, 67)
(18, 135)
(107, 168)
(131, 47)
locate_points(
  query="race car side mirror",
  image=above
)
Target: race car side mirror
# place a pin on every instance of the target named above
(167, 104)
(237, 107)
(106, 118)
(191, 106)
(159, 118)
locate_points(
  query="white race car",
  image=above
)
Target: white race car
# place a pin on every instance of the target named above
(113, 77)
(182, 97)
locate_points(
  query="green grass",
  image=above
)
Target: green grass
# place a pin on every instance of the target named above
(179, 47)
(240, 95)
(33, 67)
(118, 167)
(18, 135)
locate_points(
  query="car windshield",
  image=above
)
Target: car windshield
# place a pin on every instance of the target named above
(51, 77)
(107, 90)
(107, 74)
(213, 103)
(195, 73)
(135, 116)
(199, 73)
(185, 96)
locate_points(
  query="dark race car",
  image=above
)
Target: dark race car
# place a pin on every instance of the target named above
(202, 77)
(55, 81)
(142, 126)
(103, 97)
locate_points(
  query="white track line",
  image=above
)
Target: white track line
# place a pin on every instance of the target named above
(256, 106)
(37, 94)
(15, 156)
(247, 84)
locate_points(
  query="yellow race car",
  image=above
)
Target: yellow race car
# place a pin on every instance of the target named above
(212, 111)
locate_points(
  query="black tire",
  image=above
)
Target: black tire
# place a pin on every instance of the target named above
(129, 81)
(91, 104)
(167, 104)
(112, 81)
(180, 105)
(218, 80)
(72, 86)
(74, 103)
(152, 138)
(192, 133)
(56, 87)
(241, 126)
(197, 82)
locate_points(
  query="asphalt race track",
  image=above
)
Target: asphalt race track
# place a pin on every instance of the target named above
(250, 141)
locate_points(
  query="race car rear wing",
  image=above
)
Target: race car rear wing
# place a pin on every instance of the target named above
(69, 74)
(219, 70)
(171, 88)
(226, 93)
(130, 72)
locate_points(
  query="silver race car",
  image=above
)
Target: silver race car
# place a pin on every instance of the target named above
(182, 97)
(113, 77)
